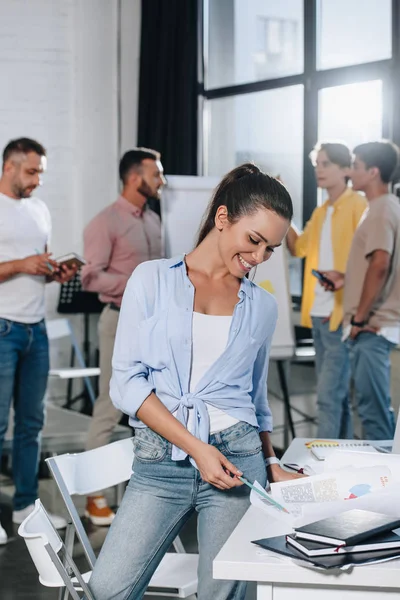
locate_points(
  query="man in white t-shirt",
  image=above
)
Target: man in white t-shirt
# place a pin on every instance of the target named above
(25, 267)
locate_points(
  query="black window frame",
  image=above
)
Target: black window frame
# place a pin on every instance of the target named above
(313, 80)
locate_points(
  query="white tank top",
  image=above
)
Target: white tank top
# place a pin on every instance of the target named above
(210, 336)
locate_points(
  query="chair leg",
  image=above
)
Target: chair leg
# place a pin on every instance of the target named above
(69, 539)
(179, 547)
(119, 492)
(66, 594)
(61, 594)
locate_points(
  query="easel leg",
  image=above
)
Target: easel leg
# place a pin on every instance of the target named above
(286, 401)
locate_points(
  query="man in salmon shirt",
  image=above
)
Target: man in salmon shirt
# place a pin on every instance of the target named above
(116, 241)
(326, 241)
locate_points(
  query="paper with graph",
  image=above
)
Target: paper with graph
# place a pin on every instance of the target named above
(343, 484)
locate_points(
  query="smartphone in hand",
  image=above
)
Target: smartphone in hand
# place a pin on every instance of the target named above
(323, 279)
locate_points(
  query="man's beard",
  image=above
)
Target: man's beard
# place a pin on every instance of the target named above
(147, 192)
(22, 192)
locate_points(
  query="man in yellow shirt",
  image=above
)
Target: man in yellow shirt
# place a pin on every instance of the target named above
(326, 240)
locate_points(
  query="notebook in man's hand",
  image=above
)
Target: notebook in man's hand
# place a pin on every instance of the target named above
(278, 544)
(347, 529)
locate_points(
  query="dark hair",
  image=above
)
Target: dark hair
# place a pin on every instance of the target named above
(22, 145)
(383, 155)
(243, 191)
(338, 153)
(133, 159)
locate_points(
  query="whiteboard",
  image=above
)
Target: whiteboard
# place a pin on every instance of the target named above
(183, 204)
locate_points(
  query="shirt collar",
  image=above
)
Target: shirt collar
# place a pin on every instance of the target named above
(341, 200)
(246, 286)
(129, 207)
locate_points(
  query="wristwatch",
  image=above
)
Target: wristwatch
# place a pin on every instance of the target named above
(272, 460)
(357, 323)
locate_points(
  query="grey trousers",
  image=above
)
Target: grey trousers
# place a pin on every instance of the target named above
(105, 415)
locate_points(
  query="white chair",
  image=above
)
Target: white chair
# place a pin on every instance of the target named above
(45, 547)
(61, 328)
(110, 465)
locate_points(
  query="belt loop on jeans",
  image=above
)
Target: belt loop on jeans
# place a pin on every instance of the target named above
(114, 306)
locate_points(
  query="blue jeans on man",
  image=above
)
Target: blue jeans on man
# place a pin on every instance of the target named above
(333, 381)
(24, 367)
(370, 367)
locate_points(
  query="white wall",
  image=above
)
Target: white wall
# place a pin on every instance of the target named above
(62, 83)
(69, 72)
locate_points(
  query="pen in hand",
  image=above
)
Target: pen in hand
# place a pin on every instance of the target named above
(263, 495)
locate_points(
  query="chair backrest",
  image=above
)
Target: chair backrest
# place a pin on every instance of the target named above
(38, 532)
(88, 472)
(44, 545)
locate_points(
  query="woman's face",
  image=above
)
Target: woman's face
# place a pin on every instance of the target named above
(251, 240)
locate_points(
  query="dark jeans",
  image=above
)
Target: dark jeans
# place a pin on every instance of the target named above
(24, 367)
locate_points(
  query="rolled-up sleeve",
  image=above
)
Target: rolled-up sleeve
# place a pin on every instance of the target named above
(129, 385)
(260, 375)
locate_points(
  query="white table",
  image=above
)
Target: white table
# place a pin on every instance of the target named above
(279, 578)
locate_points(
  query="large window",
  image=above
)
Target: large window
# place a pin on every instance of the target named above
(264, 127)
(280, 76)
(351, 32)
(252, 40)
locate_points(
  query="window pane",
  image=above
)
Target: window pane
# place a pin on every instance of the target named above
(351, 113)
(267, 128)
(352, 32)
(251, 40)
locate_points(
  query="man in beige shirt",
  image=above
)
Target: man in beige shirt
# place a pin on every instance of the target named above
(371, 321)
(116, 241)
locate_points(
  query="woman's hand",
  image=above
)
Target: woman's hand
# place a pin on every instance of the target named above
(215, 468)
(277, 474)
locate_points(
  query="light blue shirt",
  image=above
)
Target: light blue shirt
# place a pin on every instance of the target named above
(153, 351)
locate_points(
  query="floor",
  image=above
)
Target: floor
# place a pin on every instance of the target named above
(14, 558)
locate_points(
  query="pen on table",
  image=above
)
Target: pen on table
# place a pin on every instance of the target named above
(263, 494)
(296, 468)
(47, 264)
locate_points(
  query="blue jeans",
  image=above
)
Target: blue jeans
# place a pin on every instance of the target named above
(370, 369)
(161, 496)
(333, 382)
(24, 367)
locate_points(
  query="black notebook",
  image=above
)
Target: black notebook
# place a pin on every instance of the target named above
(383, 541)
(278, 544)
(348, 528)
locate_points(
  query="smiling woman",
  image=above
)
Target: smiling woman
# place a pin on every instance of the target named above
(190, 369)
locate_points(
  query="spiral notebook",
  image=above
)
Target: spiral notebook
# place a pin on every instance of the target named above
(323, 448)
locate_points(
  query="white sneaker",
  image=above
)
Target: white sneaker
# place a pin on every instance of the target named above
(20, 515)
(3, 536)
